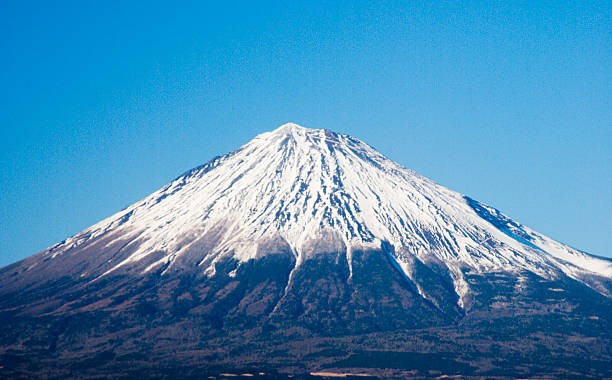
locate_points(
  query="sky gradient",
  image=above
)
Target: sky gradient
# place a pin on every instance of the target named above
(507, 102)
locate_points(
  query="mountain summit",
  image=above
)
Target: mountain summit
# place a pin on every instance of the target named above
(302, 227)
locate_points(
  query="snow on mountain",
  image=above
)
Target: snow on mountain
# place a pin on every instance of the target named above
(314, 189)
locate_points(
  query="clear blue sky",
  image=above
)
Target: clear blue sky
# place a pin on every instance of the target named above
(508, 102)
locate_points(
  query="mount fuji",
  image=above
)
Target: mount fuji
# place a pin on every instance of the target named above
(304, 251)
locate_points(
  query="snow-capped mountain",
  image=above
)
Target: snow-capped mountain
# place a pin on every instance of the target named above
(301, 186)
(298, 230)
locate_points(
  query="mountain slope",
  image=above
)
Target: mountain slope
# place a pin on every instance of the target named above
(303, 233)
(297, 185)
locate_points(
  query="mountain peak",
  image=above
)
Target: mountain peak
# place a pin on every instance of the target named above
(296, 129)
(293, 130)
(290, 135)
(290, 128)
